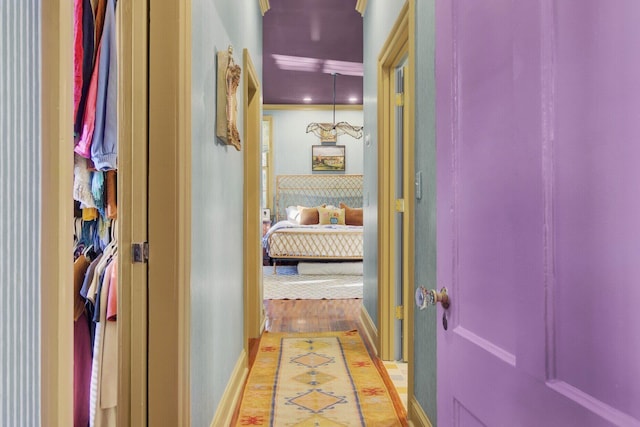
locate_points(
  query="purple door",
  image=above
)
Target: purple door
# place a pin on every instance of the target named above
(538, 145)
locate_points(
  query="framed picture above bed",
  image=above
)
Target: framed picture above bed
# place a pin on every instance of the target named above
(328, 158)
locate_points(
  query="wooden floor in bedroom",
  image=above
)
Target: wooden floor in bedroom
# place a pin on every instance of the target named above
(312, 315)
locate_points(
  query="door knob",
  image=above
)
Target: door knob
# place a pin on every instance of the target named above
(439, 297)
(426, 297)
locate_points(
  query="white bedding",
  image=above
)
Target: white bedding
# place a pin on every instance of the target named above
(289, 240)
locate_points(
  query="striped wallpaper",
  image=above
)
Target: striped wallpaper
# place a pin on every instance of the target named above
(19, 212)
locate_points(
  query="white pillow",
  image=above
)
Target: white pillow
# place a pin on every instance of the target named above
(293, 214)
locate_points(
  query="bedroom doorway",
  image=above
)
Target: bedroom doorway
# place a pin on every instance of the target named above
(396, 190)
(254, 310)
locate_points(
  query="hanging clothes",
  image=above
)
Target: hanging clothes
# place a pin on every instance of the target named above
(77, 54)
(94, 191)
(112, 208)
(104, 145)
(102, 408)
(82, 361)
(88, 52)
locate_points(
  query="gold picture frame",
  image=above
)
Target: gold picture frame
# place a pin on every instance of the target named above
(328, 158)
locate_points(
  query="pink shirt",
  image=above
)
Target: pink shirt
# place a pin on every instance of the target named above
(112, 300)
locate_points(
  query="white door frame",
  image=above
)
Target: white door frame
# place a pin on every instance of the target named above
(399, 45)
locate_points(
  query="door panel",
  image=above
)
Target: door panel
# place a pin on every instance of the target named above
(537, 211)
(399, 216)
(597, 207)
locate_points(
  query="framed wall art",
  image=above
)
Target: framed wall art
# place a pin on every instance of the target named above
(328, 158)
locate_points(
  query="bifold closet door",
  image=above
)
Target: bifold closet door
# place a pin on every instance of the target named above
(133, 211)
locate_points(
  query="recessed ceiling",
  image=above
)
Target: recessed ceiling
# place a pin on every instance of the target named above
(304, 41)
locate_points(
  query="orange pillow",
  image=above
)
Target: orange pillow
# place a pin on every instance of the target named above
(353, 216)
(309, 216)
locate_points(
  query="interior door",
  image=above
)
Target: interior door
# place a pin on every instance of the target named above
(538, 212)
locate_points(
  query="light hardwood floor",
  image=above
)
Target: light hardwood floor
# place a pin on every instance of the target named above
(312, 315)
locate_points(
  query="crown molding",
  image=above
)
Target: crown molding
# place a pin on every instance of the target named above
(361, 6)
(311, 107)
(264, 6)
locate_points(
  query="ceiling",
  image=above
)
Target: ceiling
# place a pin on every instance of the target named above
(304, 41)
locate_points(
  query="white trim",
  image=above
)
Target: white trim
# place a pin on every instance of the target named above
(361, 6)
(264, 6)
(56, 221)
(311, 107)
(232, 392)
(420, 417)
(370, 330)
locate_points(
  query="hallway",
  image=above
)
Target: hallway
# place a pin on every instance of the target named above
(320, 316)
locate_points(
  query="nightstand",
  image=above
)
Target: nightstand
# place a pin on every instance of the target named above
(266, 225)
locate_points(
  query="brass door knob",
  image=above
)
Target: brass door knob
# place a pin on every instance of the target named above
(426, 297)
(439, 297)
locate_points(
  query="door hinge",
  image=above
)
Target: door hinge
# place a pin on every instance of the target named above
(400, 312)
(399, 205)
(140, 252)
(399, 99)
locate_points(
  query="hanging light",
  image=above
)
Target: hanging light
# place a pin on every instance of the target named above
(329, 132)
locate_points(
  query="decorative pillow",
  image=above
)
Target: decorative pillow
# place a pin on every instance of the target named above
(308, 216)
(331, 216)
(293, 214)
(353, 216)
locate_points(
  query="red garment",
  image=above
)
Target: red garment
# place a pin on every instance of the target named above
(78, 52)
(83, 147)
(82, 361)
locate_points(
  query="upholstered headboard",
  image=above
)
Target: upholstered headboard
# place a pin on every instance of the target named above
(314, 190)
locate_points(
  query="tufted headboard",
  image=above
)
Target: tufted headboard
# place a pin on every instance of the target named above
(314, 190)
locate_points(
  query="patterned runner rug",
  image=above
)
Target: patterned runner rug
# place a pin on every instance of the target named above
(316, 379)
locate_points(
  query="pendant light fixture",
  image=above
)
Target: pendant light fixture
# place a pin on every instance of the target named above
(329, 132)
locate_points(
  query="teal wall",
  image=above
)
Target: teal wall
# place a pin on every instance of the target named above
(217, 209)
(425, 321)
(292, 144)
(378, 21)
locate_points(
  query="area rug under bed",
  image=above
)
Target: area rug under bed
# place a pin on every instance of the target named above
(317, 379)
(321, 286)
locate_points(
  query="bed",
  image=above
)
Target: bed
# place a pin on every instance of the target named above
(288, 240)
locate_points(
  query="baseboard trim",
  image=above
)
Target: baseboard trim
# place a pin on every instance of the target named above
(232, 392)
(370, 329)
(417, 415)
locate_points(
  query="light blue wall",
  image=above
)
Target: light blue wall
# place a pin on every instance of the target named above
(20, 213)
(292, 144)
(217, 210)
(378, 21)
(425, 321)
